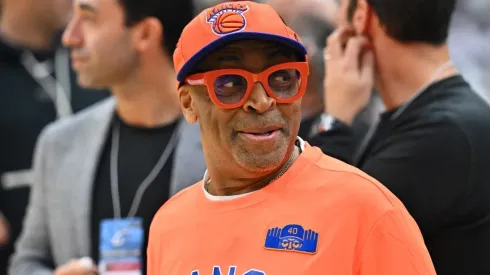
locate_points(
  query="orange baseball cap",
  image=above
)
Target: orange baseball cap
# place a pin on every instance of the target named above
(228, 22)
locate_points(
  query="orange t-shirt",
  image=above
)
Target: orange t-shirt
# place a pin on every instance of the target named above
(321, 217)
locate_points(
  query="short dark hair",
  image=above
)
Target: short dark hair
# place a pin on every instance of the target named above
(425, 21)
(173, 14)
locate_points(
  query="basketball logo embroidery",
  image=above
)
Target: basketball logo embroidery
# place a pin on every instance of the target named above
(227, 18)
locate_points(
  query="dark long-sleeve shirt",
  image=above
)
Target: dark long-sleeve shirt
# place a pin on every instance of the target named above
(435, 157)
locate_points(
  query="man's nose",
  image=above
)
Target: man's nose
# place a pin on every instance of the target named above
(259, 101)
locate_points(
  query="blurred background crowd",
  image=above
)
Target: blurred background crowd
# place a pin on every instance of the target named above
(39, 87)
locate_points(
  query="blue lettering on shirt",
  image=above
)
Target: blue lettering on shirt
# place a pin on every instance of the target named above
(231, 271)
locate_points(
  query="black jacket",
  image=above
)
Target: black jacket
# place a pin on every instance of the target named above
(25, 108)
(435, 157)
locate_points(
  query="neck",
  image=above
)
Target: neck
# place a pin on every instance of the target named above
(416, 67)
(232, 186)
(21, 28)
(148, 101)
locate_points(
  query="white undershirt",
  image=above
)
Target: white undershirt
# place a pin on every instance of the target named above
(299, 141)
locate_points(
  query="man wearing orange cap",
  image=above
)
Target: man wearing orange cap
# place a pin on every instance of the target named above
(269, 203)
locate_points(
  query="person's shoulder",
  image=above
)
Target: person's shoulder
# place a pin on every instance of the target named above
(456, 118)
(331, 178)
(75, 123)
(180, 207)
(455, 106)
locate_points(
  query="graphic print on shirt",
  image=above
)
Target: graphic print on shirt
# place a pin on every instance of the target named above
(293, 238)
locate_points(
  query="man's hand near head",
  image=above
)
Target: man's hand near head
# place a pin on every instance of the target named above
(349, 74)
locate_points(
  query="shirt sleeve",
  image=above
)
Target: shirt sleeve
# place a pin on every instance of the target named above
(427, 166)
(153, 250)
(394, 246)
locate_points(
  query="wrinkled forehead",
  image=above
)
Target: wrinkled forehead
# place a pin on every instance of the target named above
(249, 51)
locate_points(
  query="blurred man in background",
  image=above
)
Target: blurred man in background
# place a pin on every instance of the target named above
(104, 173)
(430, 147)
(37, 87)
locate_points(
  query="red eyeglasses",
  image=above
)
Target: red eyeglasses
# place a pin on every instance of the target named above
(230, 88)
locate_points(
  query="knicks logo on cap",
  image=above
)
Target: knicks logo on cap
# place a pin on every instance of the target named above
(227, 18)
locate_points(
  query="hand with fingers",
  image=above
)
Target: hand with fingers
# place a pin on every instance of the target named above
(77, 267)
(349, 74)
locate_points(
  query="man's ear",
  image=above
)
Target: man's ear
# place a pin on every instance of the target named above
(187, 104)
(147, 34)
(362, 17)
